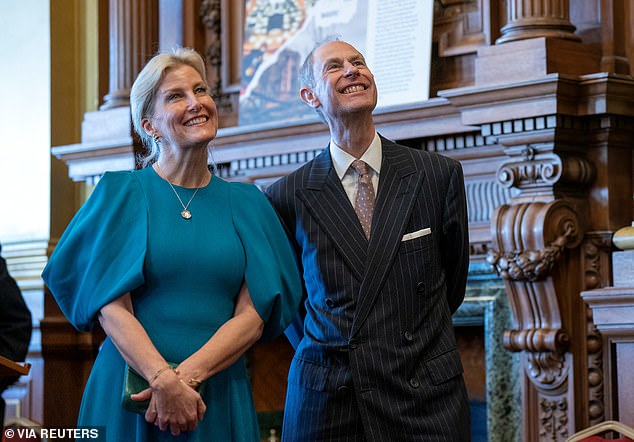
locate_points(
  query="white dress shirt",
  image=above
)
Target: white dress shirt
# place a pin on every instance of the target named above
(342, 160)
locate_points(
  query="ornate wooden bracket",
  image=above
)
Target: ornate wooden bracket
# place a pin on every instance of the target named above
(529, 240)
(536, 240)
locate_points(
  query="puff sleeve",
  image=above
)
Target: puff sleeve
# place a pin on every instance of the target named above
(271, 273)
(100, 256)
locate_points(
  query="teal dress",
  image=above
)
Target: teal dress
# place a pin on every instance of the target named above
(184, 276)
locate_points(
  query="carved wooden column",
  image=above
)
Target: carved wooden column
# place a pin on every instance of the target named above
(537, 39)
(133, 30)
(537, 18)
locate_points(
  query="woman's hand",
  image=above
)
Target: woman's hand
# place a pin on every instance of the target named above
(173, 405)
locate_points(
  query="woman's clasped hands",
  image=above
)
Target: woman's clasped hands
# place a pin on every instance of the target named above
(174, 402)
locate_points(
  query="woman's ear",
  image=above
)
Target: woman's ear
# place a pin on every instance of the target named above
(147, 127)
(308, 96)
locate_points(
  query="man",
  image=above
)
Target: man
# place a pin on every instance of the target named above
(376, 357)
(15, 326)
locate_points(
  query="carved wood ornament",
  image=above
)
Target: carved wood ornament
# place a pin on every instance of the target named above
(536, 240)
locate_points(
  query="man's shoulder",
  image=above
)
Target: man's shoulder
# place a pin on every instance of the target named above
(297, 178)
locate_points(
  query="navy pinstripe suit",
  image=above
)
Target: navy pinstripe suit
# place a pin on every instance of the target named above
(376, 357)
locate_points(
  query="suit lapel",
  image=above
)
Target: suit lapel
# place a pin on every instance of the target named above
(329, 205)
(399, 184)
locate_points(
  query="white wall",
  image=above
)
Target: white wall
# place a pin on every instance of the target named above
(24, 120)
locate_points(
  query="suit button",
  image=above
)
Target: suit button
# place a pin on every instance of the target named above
(330, 303)
(414, 383)
(420, 286)
(408, 336)
(343, 389)
(354, 345)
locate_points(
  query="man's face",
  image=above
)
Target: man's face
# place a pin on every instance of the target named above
(344, 84)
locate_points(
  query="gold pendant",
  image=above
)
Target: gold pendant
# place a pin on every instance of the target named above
(186, 214)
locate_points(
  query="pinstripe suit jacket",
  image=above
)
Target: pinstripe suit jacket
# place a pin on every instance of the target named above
(376, 357)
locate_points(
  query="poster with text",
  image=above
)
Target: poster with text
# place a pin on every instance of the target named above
(393, 35)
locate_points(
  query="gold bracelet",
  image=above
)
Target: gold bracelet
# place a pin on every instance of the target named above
(158, 373)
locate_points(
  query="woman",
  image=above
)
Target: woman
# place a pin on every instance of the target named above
(178, 267)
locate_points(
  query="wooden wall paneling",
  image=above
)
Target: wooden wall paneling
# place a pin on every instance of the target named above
(550, 159)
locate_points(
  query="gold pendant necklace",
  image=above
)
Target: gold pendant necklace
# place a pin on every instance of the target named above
(186, 214)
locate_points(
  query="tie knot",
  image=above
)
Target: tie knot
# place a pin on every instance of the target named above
(361, 167)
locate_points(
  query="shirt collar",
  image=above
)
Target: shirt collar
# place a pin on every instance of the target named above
(342, 160)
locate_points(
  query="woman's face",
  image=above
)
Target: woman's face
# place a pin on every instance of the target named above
(184, 112)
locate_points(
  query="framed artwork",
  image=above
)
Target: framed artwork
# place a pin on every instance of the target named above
(393, 35)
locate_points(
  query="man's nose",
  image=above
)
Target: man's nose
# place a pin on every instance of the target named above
(351, 69)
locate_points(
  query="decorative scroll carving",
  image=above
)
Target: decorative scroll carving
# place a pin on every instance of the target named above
(543, 169)
(548, 370)
(529, 242)
(553, 416)
(528, 263)
(546, 170)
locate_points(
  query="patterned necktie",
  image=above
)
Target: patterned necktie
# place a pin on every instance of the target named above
(364, 203)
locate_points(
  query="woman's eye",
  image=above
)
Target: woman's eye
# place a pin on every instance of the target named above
(201, 90)
(172, 97)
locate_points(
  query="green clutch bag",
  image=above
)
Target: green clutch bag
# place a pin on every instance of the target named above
(134, 383)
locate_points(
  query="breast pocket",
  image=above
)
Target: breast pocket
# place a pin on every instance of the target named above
(417, 244)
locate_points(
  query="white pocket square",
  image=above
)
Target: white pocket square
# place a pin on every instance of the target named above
(416, 234)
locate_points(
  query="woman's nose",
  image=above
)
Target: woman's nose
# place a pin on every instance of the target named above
(194, 104)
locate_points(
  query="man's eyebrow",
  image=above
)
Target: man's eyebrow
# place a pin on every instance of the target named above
(332, 60)
(356, 57)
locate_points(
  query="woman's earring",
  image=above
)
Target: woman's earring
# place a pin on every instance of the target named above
(156, 138)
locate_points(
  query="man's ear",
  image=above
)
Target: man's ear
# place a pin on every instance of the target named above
(308, 96)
